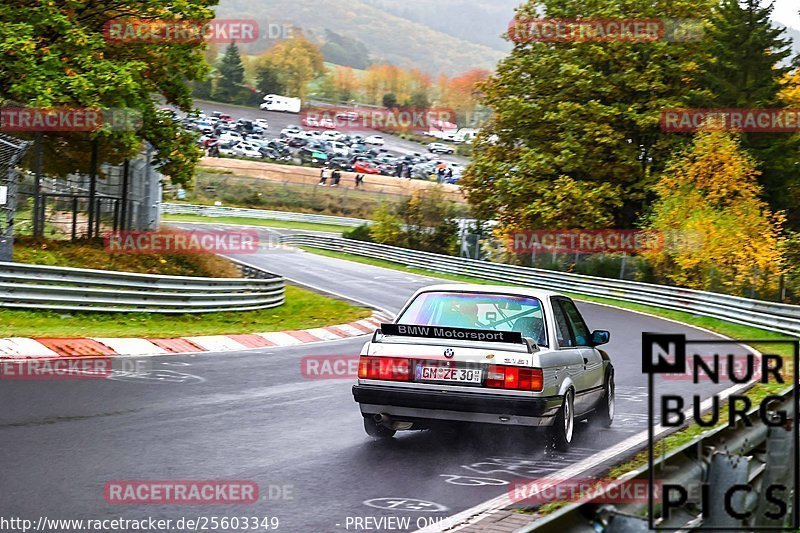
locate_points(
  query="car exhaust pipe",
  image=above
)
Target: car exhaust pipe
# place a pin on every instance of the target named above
(384, 419)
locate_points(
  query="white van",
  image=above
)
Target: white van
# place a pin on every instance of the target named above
(286, 104)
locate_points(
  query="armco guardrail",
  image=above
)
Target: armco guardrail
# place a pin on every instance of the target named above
(79, 289)
(263, 214)
(766, 315)
(748, 455)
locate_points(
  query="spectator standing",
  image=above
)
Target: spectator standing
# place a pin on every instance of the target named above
(449, 175)
(337, 177)
(359, 181)
(323, 176)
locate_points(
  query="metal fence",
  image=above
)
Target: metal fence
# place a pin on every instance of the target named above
(766, 315)
(77, 289)
(11, 151)
(260, 214)
(85, 204)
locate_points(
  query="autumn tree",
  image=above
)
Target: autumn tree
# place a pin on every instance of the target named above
(720, 234)
(55, 54)
(298, 61)
(583, 115)
(462, 93)
(425, 221)
(345, 83)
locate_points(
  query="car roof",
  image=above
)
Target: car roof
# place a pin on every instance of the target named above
(490, 289)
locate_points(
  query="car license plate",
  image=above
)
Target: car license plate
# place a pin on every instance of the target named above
(459, 375)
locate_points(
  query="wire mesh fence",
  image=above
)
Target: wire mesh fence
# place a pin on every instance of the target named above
(11, 151)
(87, 204)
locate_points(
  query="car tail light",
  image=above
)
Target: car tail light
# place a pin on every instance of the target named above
(385, 368)
(515, 378)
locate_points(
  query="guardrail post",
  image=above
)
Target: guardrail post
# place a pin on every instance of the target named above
(123, 217)
(92, 188)
(38, 207)
(725, 472)
(779, 470)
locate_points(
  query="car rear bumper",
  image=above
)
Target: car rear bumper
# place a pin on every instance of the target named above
(421, 405)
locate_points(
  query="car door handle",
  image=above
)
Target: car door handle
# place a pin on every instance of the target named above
(585, 360)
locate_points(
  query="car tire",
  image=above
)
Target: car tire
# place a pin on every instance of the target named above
(376, 430)
(606, 408)
(563, 428)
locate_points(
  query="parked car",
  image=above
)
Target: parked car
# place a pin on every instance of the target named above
(262, 123)
(439, 148)
(339, 148)
(226, 148)
(348, 116)
(366, 167)
(233, 136)
(309, 155)
(204, 127)
(268, 152)
(222, 117)
(247, 149)
(340, 163)
(290, 131)
(375, 139)
(387, 169)
(297, 142)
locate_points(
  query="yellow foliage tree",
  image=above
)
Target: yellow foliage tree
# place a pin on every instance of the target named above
(719, 234)
(790, 93)
(298, 60)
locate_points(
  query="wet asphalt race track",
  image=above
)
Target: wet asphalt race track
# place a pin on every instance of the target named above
(253, 416)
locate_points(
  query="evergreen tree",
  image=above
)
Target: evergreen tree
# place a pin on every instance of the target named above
(268, 79)
(389, 100)
(748, 56)
(231, 75)
(747, 52)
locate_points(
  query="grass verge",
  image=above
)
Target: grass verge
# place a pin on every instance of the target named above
(303, 309)
(241, 221)
(92, 254)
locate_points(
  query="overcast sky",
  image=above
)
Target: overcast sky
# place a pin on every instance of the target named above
(787, 12)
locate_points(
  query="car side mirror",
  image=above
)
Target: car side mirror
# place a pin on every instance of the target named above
(600, 337)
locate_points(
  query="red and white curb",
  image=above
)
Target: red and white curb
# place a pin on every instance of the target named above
(24, 348)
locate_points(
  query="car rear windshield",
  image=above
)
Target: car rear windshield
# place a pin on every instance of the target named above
(496, 312)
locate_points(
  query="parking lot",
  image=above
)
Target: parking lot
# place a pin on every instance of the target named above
(287, 141)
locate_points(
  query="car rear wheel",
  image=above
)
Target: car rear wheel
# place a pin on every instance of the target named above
(564, 425)
(376, 430)
(606, 408)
